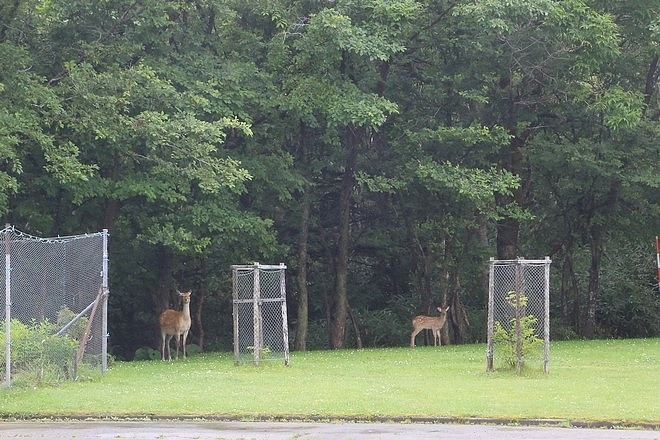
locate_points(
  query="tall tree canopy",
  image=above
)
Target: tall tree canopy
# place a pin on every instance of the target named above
(383, 149)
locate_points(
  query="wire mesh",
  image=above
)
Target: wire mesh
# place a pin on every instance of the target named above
(519, 297)
(57, 283)
(260, 320)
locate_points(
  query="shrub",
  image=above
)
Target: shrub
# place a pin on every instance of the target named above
(77, 329)
(506, 340)
(559, 331)
(39, 356)
(193, 349)
(380, 328)
(146, 354)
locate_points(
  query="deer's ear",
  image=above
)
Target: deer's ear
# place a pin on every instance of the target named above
(446, 309)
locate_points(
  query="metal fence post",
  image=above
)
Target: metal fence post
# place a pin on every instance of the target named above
(256, 314)
(105, 293)
(491, 305)
(8, 306)
(285, 327)
(546, 323)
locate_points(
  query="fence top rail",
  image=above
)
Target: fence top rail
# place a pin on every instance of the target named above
(495, 262)
(19, 235)
(259, 266)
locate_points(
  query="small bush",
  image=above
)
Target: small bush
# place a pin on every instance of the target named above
(77, 330)
(39, 357)
(628, 305)
(146, 354)
(506, 340)
(317, 335)
(380, 328)
(193, 349)
(561, 332)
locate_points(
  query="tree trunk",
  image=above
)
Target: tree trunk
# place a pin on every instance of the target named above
(485, 244)
(422, 258)
(459, 319)
(594, 275)
(446, 273)
(300, 341)
(165, 262)
(338, 301)
(423, 282)
(200, 297)
(596, 235)
(356, 328)
(426, 299)
(508, 228)
(570, 292)
(652, 76)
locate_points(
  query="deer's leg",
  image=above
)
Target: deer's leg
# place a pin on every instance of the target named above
(162, 345)
(185, 337)
(412, 337)
(168, 338)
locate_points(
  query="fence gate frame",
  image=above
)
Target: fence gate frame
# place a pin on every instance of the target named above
(258, 300)
(519, 287)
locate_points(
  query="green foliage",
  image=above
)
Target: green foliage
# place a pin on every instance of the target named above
(559, 331)
(629, 304)
(507, 338)
(192, 130)
(146, 354)
(193, 350)
(39, 357)
(372, 29)
(77, 329)
(382, 328)
(473, 185)
(317, 335)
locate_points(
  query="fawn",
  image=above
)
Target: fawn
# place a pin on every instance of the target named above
(434, 323)
(174, 323)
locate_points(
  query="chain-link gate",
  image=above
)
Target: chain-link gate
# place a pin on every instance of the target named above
(518, 310)
(259, 310)
(56, 297)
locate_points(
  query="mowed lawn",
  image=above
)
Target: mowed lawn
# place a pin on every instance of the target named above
(614, 380)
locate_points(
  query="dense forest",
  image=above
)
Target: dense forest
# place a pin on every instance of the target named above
(383, 150)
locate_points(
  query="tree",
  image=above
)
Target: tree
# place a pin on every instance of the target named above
(594, 159)
(534, 53)
(29, 108)
(381, 149)
(337, 89)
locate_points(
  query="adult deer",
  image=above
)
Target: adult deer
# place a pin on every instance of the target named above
(174, 323)
(434, 323)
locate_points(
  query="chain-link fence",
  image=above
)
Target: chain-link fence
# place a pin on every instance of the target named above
(55, 310)
(518, 311)
(260, 316)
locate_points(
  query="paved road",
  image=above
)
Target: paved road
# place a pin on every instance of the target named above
(160, 430)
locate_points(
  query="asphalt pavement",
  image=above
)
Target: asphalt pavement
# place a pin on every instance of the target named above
(230, 430)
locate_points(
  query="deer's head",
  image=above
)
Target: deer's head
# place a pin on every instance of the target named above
(185, 296)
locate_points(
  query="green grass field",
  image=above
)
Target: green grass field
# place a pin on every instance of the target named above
(616, 381)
